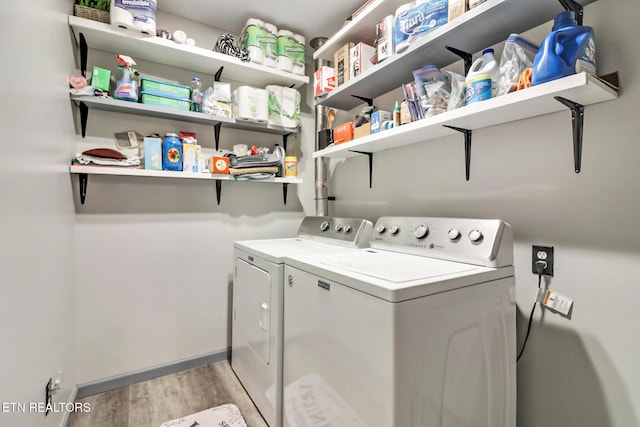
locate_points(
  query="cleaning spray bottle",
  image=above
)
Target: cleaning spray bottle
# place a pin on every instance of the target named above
(127, 86)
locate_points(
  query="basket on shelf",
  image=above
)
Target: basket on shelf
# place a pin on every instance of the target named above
(91, 13)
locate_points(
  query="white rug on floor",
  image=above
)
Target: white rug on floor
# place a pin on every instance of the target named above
(224, 415)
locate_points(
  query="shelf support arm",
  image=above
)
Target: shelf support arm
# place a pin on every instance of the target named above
(370, 155)
(575, 7)
(83, 54)
(284, 141)
(84, 115)
(467, 148)
(83, 178)
(369, 101)
(216, 133)
(577, 121)
(285, 189)
(466, 57)
(218, 74)
(218, 190)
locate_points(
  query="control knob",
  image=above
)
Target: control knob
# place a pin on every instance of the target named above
(324, 226)
(421, 231)
(338, 227)
(394, 229)
(347, 228)
(454, 234)
(475, 235)
(380, 229)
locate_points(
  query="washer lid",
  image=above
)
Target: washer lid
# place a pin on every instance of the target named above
(275, 250)
(394, 267)
(394, 276)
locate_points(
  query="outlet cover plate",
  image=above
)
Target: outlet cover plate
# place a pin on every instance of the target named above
(542, 253)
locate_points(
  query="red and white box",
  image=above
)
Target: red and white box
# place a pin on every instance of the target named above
(324, 81)
(360, 58)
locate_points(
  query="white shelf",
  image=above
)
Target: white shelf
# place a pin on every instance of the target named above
(126, 171)
(584, 89)
(156, 49)
(481, 27)
(110, 104)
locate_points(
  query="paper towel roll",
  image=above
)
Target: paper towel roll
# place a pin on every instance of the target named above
(121, 17)
(284, 60)
(270, 44)
(249, 37)
(299, 60)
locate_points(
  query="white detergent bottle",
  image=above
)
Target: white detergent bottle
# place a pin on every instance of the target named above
(482, 80)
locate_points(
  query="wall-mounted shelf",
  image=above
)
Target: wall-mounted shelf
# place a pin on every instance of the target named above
(582, 89)
(109, 104)
(98, 35)
(483, 26)
(83, 173)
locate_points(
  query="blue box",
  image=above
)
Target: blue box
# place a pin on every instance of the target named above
(377, 117)
(153, 153)
(413, 20)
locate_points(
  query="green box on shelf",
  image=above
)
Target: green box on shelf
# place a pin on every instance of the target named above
(150, 99)
(165, 89)
(100, 78)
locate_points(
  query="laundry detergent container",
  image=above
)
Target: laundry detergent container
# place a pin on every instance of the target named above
(251, 104)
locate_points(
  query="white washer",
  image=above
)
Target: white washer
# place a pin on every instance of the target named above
(418, 330)
(256, 344)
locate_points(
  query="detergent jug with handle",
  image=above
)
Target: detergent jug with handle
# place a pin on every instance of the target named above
(482, 79)
(569, 49)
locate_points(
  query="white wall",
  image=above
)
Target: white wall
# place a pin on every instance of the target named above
(154, 256)
(37, 307)
(576, 371)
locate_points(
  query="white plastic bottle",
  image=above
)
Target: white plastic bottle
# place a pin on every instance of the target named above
(482, 80)
(196, 95)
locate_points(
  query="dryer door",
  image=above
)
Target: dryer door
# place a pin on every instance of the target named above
(252, 309)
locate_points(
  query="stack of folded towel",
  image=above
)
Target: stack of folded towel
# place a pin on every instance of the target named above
(261, 166)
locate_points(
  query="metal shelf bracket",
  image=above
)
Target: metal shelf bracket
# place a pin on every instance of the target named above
(467, 148)
(285, 189)
(577, 121)
(216, 133)
(218, 190)
(466, 57)
(370, 155)
(83, 178)
(84, 115)
(84, 48)
(218, 74)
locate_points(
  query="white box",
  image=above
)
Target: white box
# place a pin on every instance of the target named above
(360, 58)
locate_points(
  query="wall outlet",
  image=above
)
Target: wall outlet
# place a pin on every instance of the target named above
(542, 260)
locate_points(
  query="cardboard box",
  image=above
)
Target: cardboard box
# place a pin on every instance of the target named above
(152, 153)
(377, 117)
(218, 164)
(191, 154)
(360, 58)
(341, 64)
(324, 81)
(362, 130)
(457, 8)
(100, 78)
(343, 133)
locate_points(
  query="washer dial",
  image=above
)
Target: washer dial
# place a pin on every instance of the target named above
(421, 231)
(475, 235)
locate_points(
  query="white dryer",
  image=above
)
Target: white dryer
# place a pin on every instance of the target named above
(257, 317)
(418, 330)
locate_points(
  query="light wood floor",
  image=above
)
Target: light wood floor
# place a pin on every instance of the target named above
(151, 403)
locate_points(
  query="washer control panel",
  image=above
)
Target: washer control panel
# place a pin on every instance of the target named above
(477, 241)
(349, 231)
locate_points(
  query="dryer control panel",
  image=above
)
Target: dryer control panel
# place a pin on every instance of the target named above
(354, 232)
(487, 242)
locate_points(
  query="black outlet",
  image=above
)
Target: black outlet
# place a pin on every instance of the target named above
(542, 260)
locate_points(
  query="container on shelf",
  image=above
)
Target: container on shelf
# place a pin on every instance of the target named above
(172, 153)
(147, 98)
(482, 79)
(165, 89)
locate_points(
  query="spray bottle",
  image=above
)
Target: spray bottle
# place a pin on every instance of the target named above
(127, 86)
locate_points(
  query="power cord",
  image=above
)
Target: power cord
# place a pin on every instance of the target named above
(540, 266)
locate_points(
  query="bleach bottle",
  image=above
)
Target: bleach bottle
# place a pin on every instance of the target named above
(569, 49)
(482, 79)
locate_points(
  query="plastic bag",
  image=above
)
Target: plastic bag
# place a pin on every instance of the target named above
(433, 88)
(456, 98)
(517, 56)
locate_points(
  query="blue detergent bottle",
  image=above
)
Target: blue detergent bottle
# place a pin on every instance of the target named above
(569, 49)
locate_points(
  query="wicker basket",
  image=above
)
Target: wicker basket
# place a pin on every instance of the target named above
(91, 13)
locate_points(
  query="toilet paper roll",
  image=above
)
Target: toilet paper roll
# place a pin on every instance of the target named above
(284, 61)
(145, 27)
(269, 44)
(121, 17)
(299, 60)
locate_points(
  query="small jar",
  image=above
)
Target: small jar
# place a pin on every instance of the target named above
(290, 166)
(171, 153)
